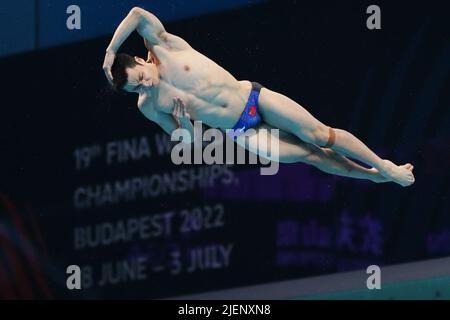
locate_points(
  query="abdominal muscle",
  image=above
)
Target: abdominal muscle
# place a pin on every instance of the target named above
(217, 107)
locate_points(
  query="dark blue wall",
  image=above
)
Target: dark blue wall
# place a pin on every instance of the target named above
(31, 24)
(388, 87)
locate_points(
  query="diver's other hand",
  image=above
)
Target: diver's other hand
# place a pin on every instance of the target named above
(110, 56)
(180, 113)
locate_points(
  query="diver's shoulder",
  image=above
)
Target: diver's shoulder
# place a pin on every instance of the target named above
(145, 103)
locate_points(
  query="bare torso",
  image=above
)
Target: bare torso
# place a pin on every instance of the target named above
(211, 94)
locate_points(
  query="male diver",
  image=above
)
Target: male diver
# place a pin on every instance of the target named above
(177, 84)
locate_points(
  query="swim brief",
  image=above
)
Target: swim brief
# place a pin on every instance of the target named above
(250, 118)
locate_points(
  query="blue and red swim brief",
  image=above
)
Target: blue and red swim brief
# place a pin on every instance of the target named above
(250, 117)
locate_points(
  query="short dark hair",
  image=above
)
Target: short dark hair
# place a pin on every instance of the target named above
(119, 70)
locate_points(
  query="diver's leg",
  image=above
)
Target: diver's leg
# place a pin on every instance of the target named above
(284, 113)
(291, 150)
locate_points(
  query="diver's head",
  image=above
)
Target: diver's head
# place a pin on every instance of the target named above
(133, 74)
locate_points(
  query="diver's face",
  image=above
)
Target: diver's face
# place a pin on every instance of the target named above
(142, 77)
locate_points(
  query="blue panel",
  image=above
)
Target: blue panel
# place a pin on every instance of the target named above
(102, 17)
(17, 26)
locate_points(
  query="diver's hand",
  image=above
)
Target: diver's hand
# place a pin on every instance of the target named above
(180, 114)
(110, 56)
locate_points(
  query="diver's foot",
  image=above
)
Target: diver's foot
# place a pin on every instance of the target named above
(399, 174)
(408, 166)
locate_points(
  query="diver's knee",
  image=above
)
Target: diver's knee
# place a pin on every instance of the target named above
(323, 136)
(312, 155)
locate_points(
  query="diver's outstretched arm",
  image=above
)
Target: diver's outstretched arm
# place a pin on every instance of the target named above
(144, 22)
(149, 27)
